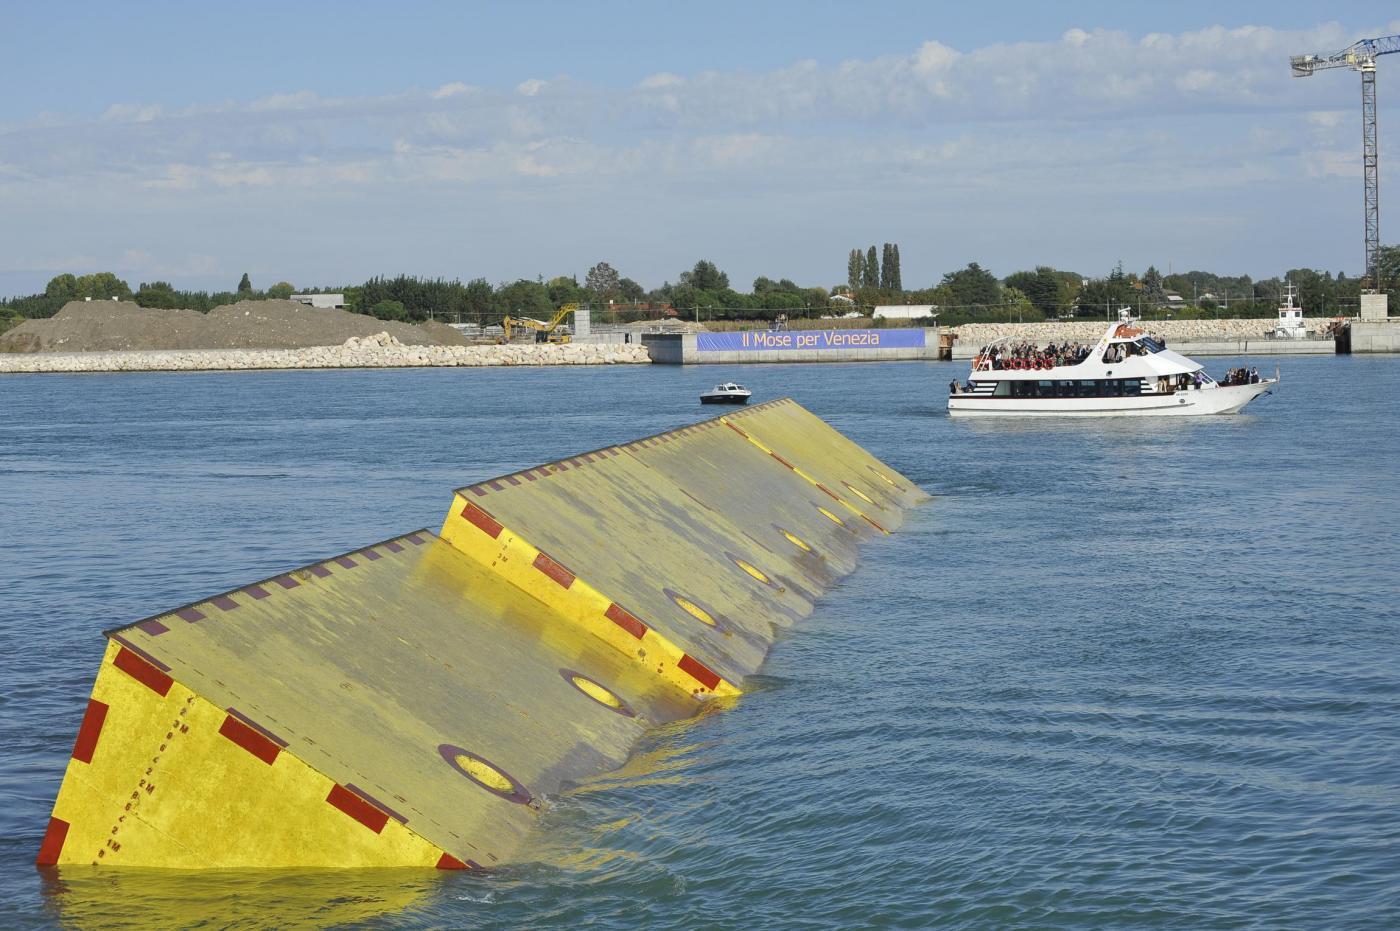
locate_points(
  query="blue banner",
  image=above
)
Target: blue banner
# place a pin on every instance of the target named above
(779, 340)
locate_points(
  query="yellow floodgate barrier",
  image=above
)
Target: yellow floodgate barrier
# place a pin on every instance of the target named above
(413, 702)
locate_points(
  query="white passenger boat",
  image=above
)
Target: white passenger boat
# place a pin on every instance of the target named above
(726, 393)
(1127, 373)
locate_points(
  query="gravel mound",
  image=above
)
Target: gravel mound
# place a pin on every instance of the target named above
(104, 326)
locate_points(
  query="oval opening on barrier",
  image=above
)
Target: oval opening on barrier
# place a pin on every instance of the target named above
(830, 516)
(795, 540)
(751, 570)
(858, 493)
(597, 691)
(690, 607)
(883, 477)
(484, 773)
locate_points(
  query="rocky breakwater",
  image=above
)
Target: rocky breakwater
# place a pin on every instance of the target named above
(378, 351)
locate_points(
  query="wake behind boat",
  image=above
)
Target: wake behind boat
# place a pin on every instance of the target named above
(1126, 373)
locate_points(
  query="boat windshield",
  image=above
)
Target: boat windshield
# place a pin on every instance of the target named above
(1151, 345)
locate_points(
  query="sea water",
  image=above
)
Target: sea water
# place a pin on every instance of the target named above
(1118, 673)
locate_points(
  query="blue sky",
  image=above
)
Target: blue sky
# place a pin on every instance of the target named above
(325, 142)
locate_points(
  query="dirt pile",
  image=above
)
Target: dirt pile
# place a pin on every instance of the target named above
(97, 326)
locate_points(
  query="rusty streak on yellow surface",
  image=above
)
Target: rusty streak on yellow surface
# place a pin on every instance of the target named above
(415, 702)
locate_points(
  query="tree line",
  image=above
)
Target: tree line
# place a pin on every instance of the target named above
(704, 292)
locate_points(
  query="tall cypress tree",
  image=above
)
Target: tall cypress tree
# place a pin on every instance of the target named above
(872, 269)
(855, 269)
(887, 267)
(896, 282)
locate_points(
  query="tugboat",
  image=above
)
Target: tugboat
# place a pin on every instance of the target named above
(1127, 373)
(726, 393)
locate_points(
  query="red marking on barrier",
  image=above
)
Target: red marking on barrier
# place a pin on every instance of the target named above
(394, 546)
(371, 555)
(831, 493)
(376, 803)
(561, 467)
(189, 614)
(250, 740)
(257, 591)
(416, 539)
(90, 730)
(357, 808)
(286, 581)
(346, 561)
(698, 671)
(873, 524)
(479, 491)
(224, 603)
(783, 461)
(495, 486)
(626, 620)
(511, 479)
(143, 672)
(558, 573)
(118, 638)
(154, 628)
(485, 522)
(449, 862)
(319, 571)
(52, 845)
(529, 476)
(736, 429)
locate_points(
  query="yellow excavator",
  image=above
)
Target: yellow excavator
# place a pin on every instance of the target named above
(544, 331)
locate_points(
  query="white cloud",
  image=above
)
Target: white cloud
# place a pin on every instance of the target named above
(530, 88)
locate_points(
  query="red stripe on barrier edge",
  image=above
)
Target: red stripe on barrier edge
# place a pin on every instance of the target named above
(479, 491)
(833, 494)
(495, 486)
(52, 846)
(512, 479)
(89, 731)
(698, 671)
(370, 554)
(346, 561)
(558, 573)
(286, 581)
(153, 628)
(449, 862)
(626, 620)
(357, 808)
(224, 603)
(736, 429)
(376, 803)
(257, 727)
(143, 672)
(485, 522)
(783, 461)
(529, 476)
(394, 546)
(873, 524)
(250, 740)
(257, 591)
(416, 539)
(190, 614)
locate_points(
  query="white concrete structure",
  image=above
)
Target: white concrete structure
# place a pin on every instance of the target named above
(905, 311)
(1373, 306)
(336, 301)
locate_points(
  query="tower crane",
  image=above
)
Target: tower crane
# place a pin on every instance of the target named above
(1360, 56)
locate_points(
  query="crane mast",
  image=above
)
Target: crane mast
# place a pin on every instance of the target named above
(1360, 56)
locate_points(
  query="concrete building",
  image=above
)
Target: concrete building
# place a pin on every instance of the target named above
(905, 311)
(336, 301)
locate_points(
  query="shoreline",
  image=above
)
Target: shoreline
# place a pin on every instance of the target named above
(380, 351)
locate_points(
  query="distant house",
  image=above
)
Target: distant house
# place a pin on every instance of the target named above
(336, 301)
(1172, 299)
(905, 311)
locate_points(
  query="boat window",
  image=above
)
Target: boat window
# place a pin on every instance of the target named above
(1151, 345)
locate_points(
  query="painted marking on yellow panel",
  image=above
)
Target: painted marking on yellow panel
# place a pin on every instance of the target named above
(693, 609)
(596, 691)
(485, 774)
(518, 562)
(796, 541)
(830, 516)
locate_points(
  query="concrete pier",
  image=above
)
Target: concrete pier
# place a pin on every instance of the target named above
(1364, 336)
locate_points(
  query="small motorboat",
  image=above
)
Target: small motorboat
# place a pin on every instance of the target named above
(727, 393)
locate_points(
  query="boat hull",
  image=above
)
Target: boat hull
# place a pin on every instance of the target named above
(723, 399)
(1194, 403)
